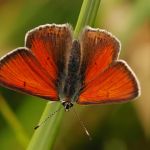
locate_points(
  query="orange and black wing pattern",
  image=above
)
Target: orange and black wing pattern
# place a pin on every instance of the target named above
(34, 69)
(105, 79)
(51, 45)
(20, 70)
(98, 50)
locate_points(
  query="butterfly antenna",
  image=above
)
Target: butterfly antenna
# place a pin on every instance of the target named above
(52, 114)
(82, 124)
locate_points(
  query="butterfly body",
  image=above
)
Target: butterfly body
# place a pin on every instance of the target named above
(54, 66)
(72, 80)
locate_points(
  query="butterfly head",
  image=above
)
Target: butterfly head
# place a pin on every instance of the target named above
(67, 105)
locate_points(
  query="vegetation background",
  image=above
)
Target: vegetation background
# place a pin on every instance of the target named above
(113, 127)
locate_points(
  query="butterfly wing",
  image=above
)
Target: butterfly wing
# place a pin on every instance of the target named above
(105, 79)
(51, 45)
(98, 49)
(48, 48)
(117, 83)
(21, 71)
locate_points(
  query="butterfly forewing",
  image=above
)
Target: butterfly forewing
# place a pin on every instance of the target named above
(116, 84)
(21, 71)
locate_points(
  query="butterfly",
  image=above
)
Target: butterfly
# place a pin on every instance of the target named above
(54, 66)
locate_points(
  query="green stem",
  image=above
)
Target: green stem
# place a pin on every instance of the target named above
(14, 123)
(87, 15)
(45, 136)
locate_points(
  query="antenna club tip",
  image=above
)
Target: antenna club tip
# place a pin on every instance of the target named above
(88, 134)
(36, 127)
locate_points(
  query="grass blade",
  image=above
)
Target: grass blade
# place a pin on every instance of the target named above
(13, 122)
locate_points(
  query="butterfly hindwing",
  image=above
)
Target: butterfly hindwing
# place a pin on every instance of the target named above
(51, 45)
(99, 49)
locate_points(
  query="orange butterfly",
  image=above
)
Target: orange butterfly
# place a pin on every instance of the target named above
(55, 67)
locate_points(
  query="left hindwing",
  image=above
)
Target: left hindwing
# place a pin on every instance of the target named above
(99, 49)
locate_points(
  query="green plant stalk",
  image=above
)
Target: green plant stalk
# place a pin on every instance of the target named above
(45, 136)
(87, 15)
(14, 123)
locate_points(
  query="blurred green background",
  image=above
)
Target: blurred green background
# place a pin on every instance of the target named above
(113, 127)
